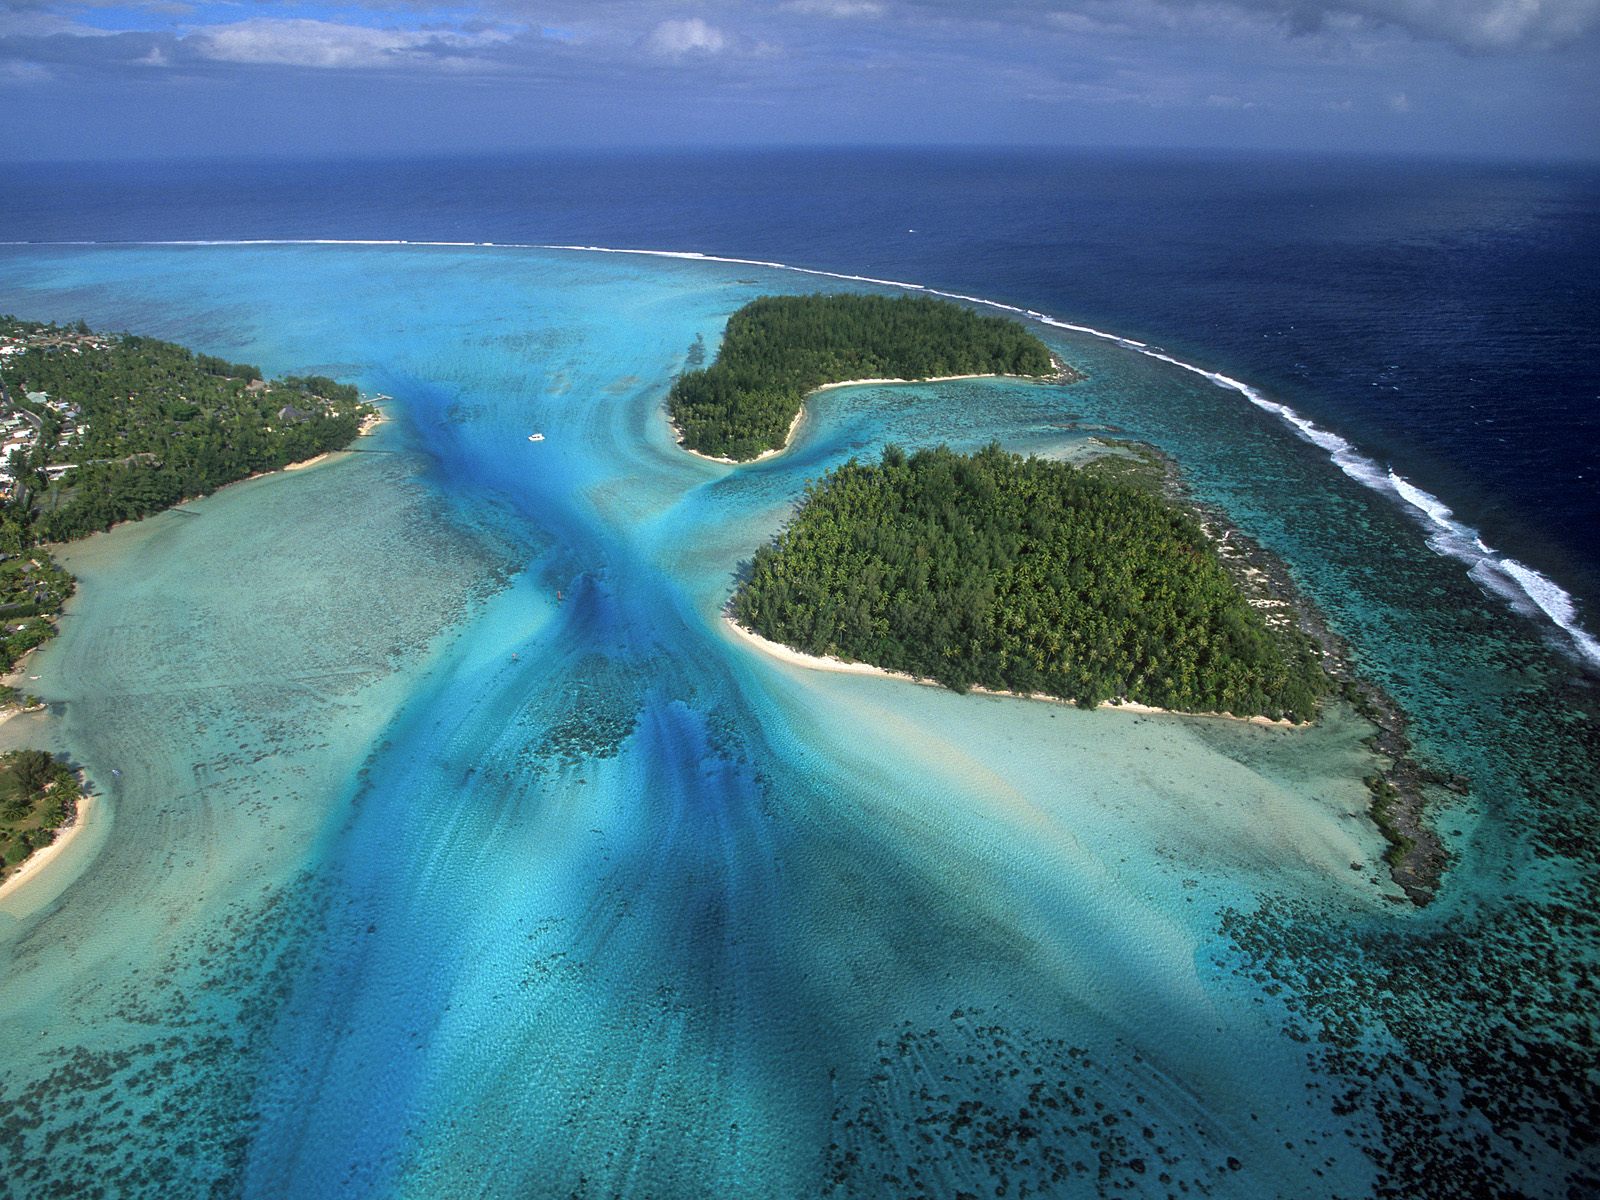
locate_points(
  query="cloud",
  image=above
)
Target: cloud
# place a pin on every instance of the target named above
(1488, 24)
(95, 50)
(1400, 102)
(840, 9)
(674, 39)
(25, 73)
(1478, 25)
(1085, 23)
(1471, 24)
(302, 42)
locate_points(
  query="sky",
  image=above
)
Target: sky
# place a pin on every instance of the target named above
(110, 79)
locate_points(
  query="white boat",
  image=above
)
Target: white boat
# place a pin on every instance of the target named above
(536, 437)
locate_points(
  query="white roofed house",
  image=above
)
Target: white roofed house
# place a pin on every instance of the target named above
(11, 444)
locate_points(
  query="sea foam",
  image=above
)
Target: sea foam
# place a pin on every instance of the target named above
(1526, 590)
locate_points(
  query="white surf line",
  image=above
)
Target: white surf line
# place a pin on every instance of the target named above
(696, 256)
(1526, 590)
(283, 242)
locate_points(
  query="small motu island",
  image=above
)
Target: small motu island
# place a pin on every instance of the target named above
(1026, 576)
(779, 348)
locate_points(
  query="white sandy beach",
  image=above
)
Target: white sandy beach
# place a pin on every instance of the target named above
(368, 424)
(815, 662)
(788, 438)
(45, 855)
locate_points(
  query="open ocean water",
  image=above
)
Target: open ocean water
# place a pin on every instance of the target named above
(450, 846)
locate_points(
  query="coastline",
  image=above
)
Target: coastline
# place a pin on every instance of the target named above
(788, 439)
(65, 835)
(814, 662)
(30, 867)
(1417, 858)
(1399, 804)
(1063, 374)
(41, 858)
(368, 424)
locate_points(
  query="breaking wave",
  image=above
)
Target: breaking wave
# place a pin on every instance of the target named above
(1526, 590)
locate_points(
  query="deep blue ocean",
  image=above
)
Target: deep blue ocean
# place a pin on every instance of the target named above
(445, 839)
(1441, 316)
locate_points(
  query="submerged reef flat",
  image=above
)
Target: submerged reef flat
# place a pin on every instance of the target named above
(106, 428)
(1403, 788)
(455, 848)
(1128, 596)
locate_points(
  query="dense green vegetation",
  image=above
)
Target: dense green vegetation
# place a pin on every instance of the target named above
(116, 428)
(32, 587)
(37, 796)
(778, 348)
(122, 427)
(154, 424)
(1023, 575)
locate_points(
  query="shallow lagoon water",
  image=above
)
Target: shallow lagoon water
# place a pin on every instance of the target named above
(457, 849)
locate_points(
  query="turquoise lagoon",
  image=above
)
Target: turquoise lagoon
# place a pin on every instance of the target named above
(449, 845)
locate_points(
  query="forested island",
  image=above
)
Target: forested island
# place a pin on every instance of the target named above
(778, 348)
(1023, 575)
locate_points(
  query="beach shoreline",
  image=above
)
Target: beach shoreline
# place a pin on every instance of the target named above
(30, 867)
(36, 862)
(788, 440)
(814, 662)
(1063, 374)
(368, 424)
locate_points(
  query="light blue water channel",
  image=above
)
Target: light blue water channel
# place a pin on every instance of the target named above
(451, 846)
